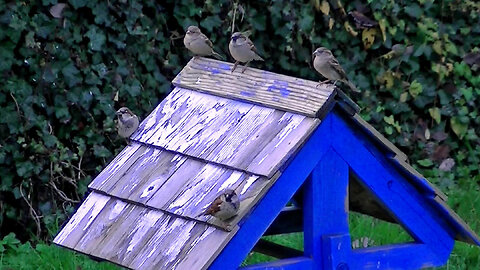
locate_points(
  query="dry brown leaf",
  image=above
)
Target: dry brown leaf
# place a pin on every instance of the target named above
(57, 10)
(383, 26)
(331, 22)
(368, 37)
(325, 7)
(350, 29)
(447, 165)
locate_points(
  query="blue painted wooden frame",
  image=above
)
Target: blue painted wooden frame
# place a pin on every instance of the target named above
(333, 151)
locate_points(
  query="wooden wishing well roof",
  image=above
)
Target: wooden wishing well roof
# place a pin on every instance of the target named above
(143, 211)
(216, 130)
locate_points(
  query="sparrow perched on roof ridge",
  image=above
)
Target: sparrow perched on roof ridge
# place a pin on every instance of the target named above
(198, 43)
(127, 122)
(327, 65)
(225, 206)
(242, 50)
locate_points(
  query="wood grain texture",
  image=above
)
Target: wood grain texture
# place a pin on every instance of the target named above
(119, 164)
(72, 232)
(174, 183)
(140, 238)
(258, 86)
(246, 137)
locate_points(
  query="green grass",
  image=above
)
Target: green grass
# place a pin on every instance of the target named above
(15, 255)
(378, 233)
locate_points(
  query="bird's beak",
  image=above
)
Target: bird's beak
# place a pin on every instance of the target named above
(189, 32)
(118, 113)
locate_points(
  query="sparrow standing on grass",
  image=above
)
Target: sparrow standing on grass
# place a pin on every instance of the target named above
(127, 122)
(199, 44)
(327, 65)
(224, 206)
(242, 50)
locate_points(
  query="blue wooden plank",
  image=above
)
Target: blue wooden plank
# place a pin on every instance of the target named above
(391, 189)
(337, 250)
(275, 199)
(462, 230)
(399, 256)
(326, 209)
(298, 263)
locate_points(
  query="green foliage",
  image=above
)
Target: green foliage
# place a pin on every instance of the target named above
(14, 255)
(64, 70)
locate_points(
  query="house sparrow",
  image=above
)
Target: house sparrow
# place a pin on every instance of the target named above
(362, 21)
(127, 122)
(224, 206)
(199, 44)
(327, 65)
(242, 50)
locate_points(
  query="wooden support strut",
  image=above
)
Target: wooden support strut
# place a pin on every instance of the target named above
(326, 235)
(334, 151)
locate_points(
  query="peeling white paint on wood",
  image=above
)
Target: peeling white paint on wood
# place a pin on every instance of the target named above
(248, 184)
(224, 131)
(114, 166)
(86, 212)
(259, 86)
(293, 121)
(117, 209)
(231, 180)
(146, 223)
(274, 155)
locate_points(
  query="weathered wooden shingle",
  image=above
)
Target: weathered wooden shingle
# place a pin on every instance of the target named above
(239, 135)
(254, 85)
(174, 183)
(140, 238)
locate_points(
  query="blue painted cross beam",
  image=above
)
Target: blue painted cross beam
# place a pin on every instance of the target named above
(285, 139)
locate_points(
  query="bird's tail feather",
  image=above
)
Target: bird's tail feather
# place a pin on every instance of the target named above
(258, 57)
(352, 86)
(218, 56)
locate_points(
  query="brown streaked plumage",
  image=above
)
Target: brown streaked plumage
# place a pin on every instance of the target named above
(327, 65)
(242, 50)
(198, 43)
(225, 206)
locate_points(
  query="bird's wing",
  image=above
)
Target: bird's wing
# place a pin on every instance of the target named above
(214, 207)
(209, 43)
(338, 68)
(252, 46)
(129, 123)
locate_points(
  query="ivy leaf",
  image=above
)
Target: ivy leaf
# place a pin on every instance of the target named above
(435, 114)
(211, 22)
(413, 10)
(97, 39)
(415, 89)
(458, 127)
(101, 151)
(71, 74)
(425, 162)
(78, 3)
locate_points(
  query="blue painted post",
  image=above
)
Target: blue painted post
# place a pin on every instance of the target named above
(411, 209)
(274, 200)
(326, 234)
